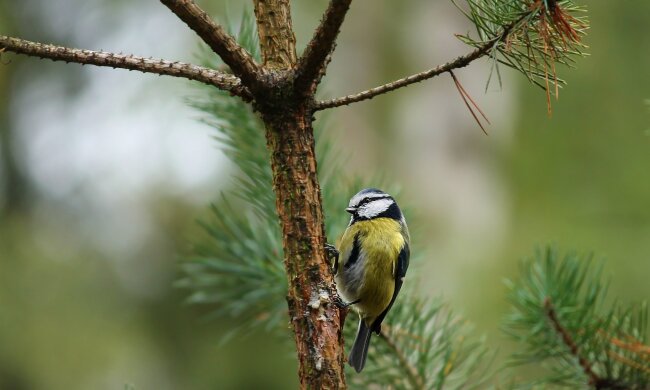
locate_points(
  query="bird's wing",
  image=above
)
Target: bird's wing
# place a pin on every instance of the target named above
(349, 249)
(400, 271)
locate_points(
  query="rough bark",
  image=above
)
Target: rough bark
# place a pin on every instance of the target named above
(277, 40)
(316, 321)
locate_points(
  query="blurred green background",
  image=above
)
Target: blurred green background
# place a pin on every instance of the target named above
(103, 174)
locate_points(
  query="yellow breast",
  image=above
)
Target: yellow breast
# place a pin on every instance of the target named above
(381, 241)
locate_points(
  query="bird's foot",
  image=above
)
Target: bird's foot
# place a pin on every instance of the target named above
(341, 304)
(332, 253)
(331, 250)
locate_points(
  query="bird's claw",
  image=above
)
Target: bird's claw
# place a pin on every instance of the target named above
(332, 253)
(341, 304)
(331, 250)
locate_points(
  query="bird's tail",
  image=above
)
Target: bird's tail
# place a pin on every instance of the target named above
(357, 358)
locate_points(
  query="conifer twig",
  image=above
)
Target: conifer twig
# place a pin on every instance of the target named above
(459, 62)
(237, 58)
(416, 380)
(465, 96)
(314, 59)
(208, 76)
(569, 342)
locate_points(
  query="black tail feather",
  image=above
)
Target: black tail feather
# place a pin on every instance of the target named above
(359, 352)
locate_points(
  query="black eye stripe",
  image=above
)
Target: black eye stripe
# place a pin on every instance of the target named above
(368, 200)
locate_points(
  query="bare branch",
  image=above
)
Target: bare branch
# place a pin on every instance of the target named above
(146, 65)
(311, 66)
(237, 58)
(459, 62)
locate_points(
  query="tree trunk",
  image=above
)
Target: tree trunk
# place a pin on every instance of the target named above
(317, 322)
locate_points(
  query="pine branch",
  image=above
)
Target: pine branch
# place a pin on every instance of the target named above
(551, 35)
(531, 36)
(312, 64)
(566, 330)
(569, 342)
(423, 346)
(237, 58)
(416, 381)
(459, 62)
(204, 75)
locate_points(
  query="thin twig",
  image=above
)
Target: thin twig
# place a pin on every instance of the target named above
(459, 62)
(237, 58)
(569, 342)
(314, 59)
(416, 380)
(208, 76)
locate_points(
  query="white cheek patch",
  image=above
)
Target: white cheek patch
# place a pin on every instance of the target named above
(374, 208)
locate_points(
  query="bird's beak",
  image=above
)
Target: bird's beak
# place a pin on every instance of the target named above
(351, 210)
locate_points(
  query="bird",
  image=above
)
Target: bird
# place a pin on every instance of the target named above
(370, 264)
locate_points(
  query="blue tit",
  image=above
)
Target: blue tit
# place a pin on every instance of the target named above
(373, 256)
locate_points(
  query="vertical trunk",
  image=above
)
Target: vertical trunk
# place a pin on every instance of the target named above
(288, 119)
(316, 322)
(274, 28)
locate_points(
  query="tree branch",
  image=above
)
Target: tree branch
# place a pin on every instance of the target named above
(146, 65)
(311, 65)
(459, 62)
(237, 58)
(569, 342)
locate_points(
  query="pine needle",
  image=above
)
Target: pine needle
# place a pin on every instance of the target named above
(465, 96)
(550, 33)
